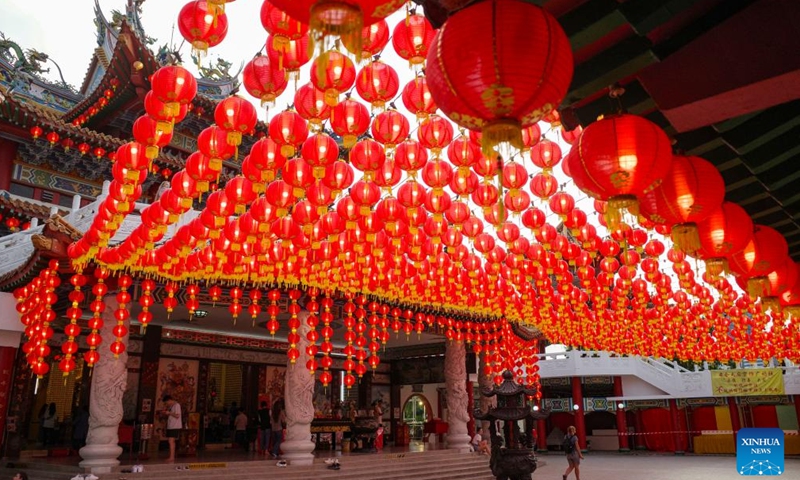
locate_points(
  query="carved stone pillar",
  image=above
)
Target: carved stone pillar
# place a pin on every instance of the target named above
(110, 377)
(299, 398)
(455, 377)
(485, 382)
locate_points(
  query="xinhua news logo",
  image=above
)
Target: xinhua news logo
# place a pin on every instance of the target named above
(759, 451)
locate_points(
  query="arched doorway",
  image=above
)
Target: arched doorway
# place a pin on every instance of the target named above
(415, 414)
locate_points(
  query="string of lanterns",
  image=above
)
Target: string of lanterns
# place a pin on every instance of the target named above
(439, 228)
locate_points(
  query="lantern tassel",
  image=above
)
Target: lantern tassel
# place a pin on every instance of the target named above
(717, 266)
(771, 303)
(500, 131)
(616, 207)
(686, 237)
(756, 287)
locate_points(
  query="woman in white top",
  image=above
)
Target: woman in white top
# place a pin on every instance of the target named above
(174, 423)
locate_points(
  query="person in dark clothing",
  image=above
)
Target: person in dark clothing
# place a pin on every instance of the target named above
(49, 426)
(80, 428)
(278, 421)
(264, 424)
(232, 413)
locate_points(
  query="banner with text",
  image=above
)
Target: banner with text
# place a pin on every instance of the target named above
(746, 382)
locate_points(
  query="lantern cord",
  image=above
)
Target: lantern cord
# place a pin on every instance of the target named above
(615, 93)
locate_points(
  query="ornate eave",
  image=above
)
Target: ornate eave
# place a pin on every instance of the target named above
(31, 209)
(507, 388)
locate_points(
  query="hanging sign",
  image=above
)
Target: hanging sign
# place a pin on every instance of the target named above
(746, 382)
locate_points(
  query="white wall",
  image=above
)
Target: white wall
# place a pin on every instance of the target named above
(636, 387)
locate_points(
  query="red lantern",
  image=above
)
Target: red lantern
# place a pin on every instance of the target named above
(373, 39)
(390, 128)
(201, 169)
(435, 133)
(543, 185)
(282, 27)
(292, 56)
(263, 79)
(417, 98)
(546, 155)
(762, 255)
(692, 190)
(412, 38)
(320, 151)
(723, 233)
(492, 94)
(174, 86)
(367, 156)
(237, 116)
(333, 73)
(288, 129)
(200, 26)
(377, 83)
(619, 158)
(213, 143)
(350, 120)
(310, 104)
(148, 131)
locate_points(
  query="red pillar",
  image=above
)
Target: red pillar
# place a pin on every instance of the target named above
(638, 440)
(541, 431)
(622, 422)
(796, 400)
(7, 355)
(676, 426)
(577, 399)
(8, 152)
(736, 421)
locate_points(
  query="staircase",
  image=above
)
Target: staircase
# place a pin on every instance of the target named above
(430, 465)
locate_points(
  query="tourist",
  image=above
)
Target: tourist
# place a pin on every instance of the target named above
(277, 423)
(479, 444)
(377, 411)
(80, 428)
(174, 423)
(232, 413)
(240, 426)
(49, 426)
(264, 427)
(573, 451)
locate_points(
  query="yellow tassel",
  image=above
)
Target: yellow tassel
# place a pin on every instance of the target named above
(756, 287)
(686, 237)
(717, 266)
(500, 131)
(771, 303)
(615, 209)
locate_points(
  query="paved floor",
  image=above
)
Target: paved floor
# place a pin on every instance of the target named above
(598, 466)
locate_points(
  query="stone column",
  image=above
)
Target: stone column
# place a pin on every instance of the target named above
(299, 398)
(110, 377)
(485, 382)
(455, 377)
(577, 399)
(622, 423)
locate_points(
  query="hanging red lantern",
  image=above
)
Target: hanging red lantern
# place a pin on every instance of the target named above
(417, 98)
(147, 131)
(618, 159)
(310, 104)
(762, 255)
(237, 116)
(175, 86)
(263, 79)
(500, 99)
(291, 56)
(288, 129)
(411, 156)
(349, 120)
(435, 133)
(692, 190)
(338, 176)
(373, 40)
(412, 38)
(367, 156)
(726, 231)
(390, 128)
(543, 185)
(213, 143)
(546, 155)
(200, 26)
(320, 151)
(377, 83)
(36, 132)
(282, 27)
(333, 73)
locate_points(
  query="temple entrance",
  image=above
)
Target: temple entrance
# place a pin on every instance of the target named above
(415, 414)
(59, 397)
(224, 391)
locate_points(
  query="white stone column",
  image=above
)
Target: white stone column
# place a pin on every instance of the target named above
(455, 377)
(299, 399)
(485, 382)
(109, 379)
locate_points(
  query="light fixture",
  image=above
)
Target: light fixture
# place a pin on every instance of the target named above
(576, 407)
(620, 405)
(536, 408)
(200, 313)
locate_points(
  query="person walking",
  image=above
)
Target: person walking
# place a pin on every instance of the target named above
(174, 423)
(277, 422)
(264, 428)
(573, 451)
(240, 425)
(80, 428)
